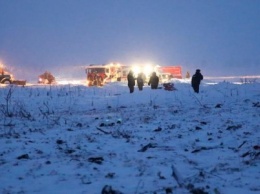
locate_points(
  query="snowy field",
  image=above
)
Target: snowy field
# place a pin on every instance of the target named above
(64, 139)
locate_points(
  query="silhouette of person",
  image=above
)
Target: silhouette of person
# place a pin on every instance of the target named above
(195, 81)
(153, 81)
(131, 81)
(140, 81)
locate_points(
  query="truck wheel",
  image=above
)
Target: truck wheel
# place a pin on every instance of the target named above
(6, 82)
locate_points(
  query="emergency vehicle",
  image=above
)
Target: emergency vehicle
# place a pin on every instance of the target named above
(98, 75)
(165, 73)
(172, 71)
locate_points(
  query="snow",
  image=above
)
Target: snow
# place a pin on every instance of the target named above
(69, 138)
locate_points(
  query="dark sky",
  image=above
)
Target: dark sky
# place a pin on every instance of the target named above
(221, 37)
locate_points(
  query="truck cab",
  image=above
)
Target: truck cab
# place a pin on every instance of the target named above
(5, 78)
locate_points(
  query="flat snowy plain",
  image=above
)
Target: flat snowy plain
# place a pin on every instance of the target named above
(71, 138)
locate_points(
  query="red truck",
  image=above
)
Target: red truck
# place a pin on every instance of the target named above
(98, 75)
(174, 71)
(166, 73)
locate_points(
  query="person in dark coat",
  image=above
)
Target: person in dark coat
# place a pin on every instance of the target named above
(154, 81)
(131, 81)
(140, 81)
(195, 81)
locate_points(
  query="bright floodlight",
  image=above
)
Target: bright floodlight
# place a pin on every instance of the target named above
(136, 69)
(148, 69)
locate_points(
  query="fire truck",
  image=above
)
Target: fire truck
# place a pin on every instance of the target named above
(98, 75)
(166, 73)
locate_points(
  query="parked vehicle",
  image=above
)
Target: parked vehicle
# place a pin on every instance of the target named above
(7, 78)
(98, 75)
(172, 71)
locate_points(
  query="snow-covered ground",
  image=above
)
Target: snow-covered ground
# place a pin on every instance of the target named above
(70, 138)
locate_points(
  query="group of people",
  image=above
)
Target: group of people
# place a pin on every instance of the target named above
(154, 81)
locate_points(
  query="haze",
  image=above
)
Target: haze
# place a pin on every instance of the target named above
(221, 37)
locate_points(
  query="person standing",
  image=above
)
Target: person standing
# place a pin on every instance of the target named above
(131, 81)
(153, 81)
(188, 75)
(140, 81)
(195, 81)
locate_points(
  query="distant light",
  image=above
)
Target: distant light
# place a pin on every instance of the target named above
(1, 65)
